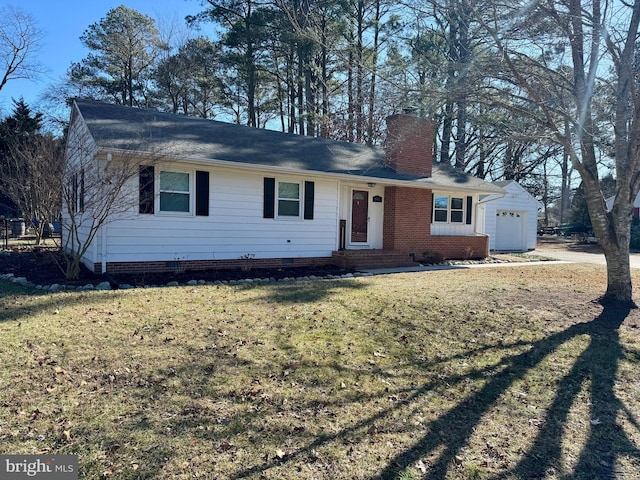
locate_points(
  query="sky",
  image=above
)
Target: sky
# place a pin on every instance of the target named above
(62, 23)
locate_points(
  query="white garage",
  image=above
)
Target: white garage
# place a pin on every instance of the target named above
(510, 220)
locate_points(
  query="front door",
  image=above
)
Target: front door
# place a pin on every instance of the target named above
(359, 216)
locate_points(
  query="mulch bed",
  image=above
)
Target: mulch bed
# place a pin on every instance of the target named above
(45, 266)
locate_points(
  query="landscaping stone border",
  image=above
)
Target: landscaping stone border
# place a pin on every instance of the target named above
(56, 287)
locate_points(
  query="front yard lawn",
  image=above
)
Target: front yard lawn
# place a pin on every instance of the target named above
(510, 373)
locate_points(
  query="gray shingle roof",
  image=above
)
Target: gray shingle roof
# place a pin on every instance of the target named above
(116, 127)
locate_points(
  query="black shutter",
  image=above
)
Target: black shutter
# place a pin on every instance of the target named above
(146, 179)
(74, 192)
(202, 193)
(431, 212)
(469, 209)
(82, 190)
(269, 197)
(309, 188)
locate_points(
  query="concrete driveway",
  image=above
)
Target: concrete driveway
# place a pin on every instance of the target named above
(570, 251)
(557, 248)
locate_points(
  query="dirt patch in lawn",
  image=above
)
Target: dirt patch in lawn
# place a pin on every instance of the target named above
(572, 244)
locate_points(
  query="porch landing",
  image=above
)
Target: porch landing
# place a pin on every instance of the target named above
(359, 259)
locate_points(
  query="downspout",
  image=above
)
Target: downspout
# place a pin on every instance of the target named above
(490, 198)
(104, 248)
(104, 230)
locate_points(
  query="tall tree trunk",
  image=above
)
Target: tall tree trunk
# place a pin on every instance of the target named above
(447, 124)
(565, 188)
(251, 88)
(464, 54)
(350, 94)
(447, 127)
(282, 95)
(482, 156)
(309, 83)
(292, 92)
(613, 229)
(250, 65)
(360, 71)
(324, 130)
(461, 131)
(545, 195)
(129, 82)
(374, 70)
(300, 90)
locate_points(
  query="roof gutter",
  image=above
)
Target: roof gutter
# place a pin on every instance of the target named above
(493, 196)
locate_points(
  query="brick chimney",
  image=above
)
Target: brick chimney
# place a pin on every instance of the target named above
(409, 144)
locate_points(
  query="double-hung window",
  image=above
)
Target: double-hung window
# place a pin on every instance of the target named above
(448, 209)
(175, 192)
(178, 192)
(457, 210)
(289, 199)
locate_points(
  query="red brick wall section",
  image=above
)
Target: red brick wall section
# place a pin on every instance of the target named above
(407, 228)
(407, 220)
(445, 247)
(459, 247)
(195, 265)
(409, 144)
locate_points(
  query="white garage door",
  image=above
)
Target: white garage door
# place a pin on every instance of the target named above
(509, 230)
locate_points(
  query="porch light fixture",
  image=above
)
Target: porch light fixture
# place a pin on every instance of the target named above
(371, 184)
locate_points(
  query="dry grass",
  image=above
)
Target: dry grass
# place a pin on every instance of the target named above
(489, 373)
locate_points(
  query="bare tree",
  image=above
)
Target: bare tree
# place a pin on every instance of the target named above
(31, 177)
(97, 189)
(20, 39)
(94, 191)
(552, 53)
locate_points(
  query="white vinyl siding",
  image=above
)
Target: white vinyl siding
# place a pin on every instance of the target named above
(519, 202)
(234, 228)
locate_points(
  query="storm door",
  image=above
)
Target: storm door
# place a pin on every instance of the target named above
(359, 216)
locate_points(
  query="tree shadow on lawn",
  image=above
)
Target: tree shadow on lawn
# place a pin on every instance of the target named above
(446, 436)
(597, 364)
